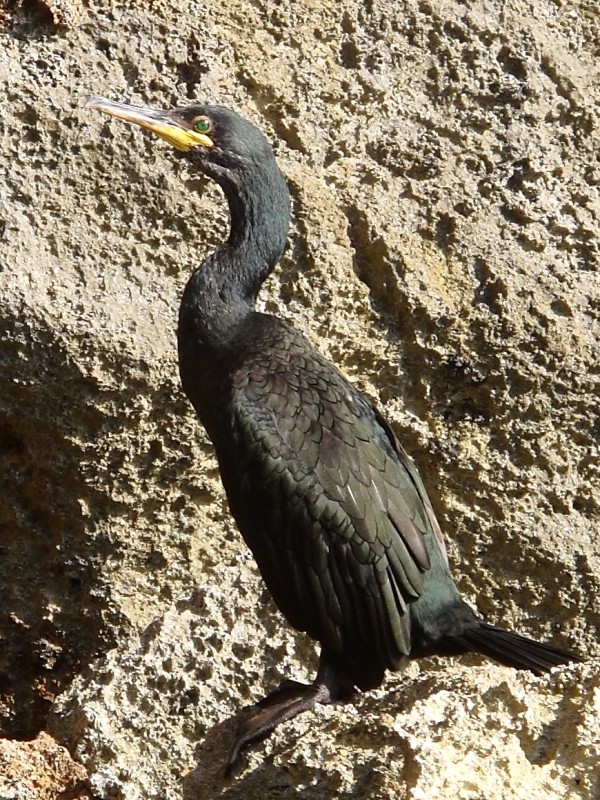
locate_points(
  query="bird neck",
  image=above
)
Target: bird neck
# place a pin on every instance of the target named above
(222, 291)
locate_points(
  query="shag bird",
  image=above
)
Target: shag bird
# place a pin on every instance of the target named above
(325, 496)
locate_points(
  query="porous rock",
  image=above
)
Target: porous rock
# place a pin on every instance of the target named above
(443, 163)
(40, 769)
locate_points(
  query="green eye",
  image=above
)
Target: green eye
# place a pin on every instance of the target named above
(202, 124)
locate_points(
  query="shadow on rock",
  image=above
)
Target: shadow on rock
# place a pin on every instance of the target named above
(272, 778)
(53, 606)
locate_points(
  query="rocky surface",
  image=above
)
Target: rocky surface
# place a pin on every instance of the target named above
(40, 769)
(443, 162)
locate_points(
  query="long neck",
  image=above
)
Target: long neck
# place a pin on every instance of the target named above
(223, 289)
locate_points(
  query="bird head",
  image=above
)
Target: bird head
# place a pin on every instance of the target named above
(215, 138)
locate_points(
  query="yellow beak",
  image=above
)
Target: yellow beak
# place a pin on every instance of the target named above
(163, 123)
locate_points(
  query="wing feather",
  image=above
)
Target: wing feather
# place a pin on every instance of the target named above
(332, 508)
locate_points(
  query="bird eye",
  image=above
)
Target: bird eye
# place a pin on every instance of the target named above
(202, 124)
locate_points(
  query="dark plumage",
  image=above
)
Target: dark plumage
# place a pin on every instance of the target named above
(325, 496)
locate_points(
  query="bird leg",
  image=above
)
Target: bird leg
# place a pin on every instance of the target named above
(287, 701)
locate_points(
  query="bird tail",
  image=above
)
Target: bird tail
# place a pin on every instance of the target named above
(512, 649)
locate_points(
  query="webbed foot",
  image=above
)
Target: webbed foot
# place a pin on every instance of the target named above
(285, 703)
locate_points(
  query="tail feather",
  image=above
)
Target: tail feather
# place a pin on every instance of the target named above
(512, 649)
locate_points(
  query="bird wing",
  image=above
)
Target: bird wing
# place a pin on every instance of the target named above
(331, 506)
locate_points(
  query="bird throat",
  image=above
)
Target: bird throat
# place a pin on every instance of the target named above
(222, 291)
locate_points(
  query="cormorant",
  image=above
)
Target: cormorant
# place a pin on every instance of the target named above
(325, 496)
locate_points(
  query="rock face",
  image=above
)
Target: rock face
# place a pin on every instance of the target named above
(443, 162)
(40, 769)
